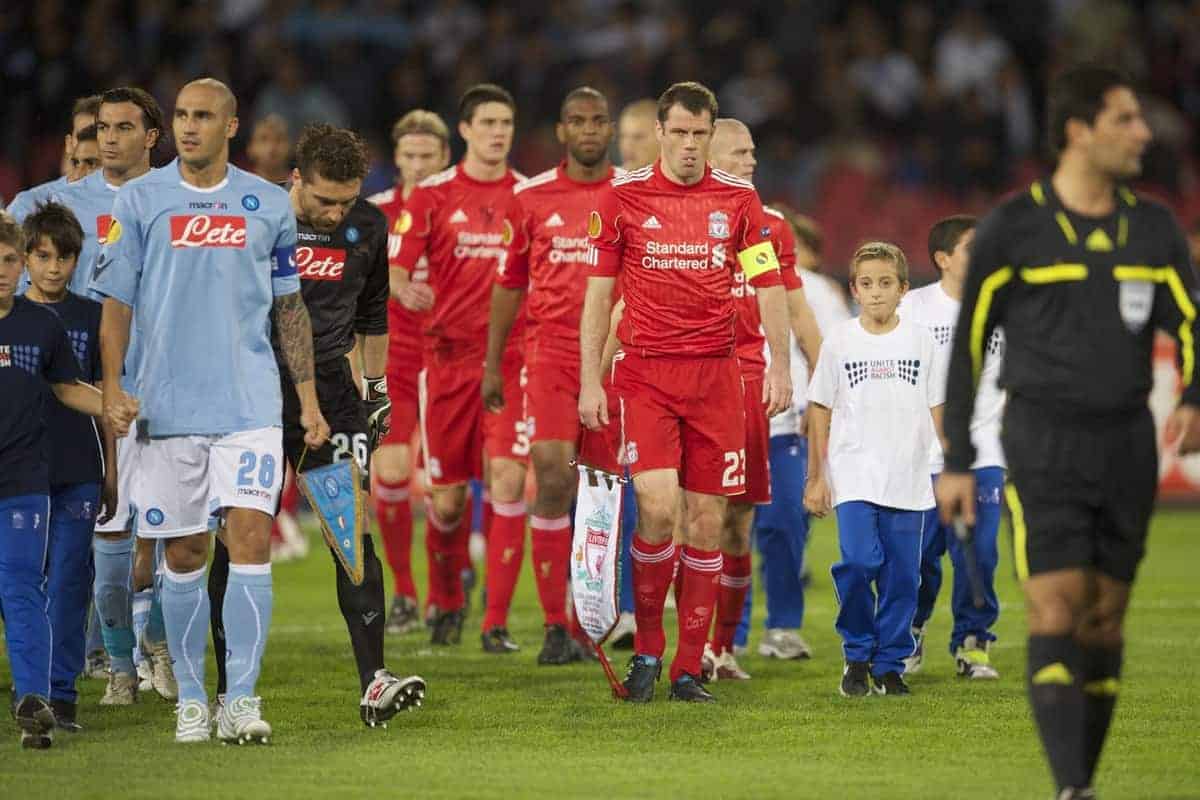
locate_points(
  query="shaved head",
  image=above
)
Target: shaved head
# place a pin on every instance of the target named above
(728, 125)
(223, 91)
(732, 148)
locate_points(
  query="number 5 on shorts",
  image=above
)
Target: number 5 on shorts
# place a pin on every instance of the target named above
(266, 470)
(735, 468)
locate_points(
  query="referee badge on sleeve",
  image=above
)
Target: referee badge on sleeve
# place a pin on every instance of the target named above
(1136, 300)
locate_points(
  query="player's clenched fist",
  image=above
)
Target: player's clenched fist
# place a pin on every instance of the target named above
(593, 407)
(120, 410)
(817, 497)
(316, 429)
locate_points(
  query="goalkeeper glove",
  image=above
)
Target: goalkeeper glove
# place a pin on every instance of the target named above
(379, 411)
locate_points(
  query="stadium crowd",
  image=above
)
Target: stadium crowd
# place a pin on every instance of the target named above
(178, 334)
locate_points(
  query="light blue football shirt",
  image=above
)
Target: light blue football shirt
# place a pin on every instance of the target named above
(27, 201)
(201, 269)
(91, 201)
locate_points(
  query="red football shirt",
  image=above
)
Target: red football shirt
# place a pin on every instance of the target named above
(404, 326)
(677, 248)
(751, 340)
(549, 255)
(462, 226)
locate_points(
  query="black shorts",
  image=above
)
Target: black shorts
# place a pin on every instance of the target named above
(342, 407)
(1081, 489)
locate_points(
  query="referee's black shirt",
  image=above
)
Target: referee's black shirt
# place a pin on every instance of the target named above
(1079, 299)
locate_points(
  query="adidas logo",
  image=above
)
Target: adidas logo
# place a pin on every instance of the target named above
(458, 216)
(555, 221)
(652, 222)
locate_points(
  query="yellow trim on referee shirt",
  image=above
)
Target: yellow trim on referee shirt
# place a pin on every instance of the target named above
(991, 285)
(1067, 228)
(1058, 273)
(758, 259)
(1187, 308)
(1019, 533)
(1128, 196)
(1039, 194)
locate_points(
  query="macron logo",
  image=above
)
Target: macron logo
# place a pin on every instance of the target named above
(555, 221)
(458, 217)
(652, 223)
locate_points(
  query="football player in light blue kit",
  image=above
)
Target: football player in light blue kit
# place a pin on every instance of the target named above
(936, 307)
(129, 126)
(200, 257)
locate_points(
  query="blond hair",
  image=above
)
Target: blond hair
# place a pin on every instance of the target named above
(880, 251)
(421, 121)
(11, 233)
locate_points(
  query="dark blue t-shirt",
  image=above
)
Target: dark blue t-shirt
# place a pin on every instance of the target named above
(34, 352)
(75, 453)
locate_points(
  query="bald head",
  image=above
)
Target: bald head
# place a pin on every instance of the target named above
(635, 134)
(221, 90)
(733, 148)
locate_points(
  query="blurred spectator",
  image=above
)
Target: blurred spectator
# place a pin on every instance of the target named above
(969, 57)
(294, 96)
(758, 94)
(885, 78)
(270, 149)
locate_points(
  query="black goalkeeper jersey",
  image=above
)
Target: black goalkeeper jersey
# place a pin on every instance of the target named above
(344, 280)
(1079, 299)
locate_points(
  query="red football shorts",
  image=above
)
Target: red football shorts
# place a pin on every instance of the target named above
(600, 449)
(758, 443)
(451, 415)
(402, 389)
(552, 399)
(504, 433)
(686, 414)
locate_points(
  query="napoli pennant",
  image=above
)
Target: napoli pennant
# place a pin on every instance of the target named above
(335, 492)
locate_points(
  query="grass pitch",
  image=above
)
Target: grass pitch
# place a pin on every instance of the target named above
(500, 726)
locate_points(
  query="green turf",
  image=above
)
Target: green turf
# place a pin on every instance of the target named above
(503, 727)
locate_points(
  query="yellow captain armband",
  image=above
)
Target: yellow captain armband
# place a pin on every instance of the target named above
(758, 259)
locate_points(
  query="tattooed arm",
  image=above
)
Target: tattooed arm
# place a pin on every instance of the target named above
(294, 331)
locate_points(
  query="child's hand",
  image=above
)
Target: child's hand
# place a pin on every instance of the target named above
(817, 497)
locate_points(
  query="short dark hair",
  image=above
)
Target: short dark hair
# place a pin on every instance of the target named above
(55, 222)
(87, 134)
(581, 93)
(694, 97)
(482, 93)
(335, 154)
(89, 105)
(946, 233)
(1078, 93)
(152, 115)
(11, 232)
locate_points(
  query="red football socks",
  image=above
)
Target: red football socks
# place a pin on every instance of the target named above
(551, 557)
(653, 568)
(505, 552)
(731, 598)
(393, 510)
(699, 572)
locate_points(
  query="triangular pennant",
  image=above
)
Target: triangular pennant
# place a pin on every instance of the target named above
(335, 493)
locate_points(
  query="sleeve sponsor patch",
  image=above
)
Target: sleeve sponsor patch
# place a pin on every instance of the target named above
(113, 234)
(758, 259)
(595, 225)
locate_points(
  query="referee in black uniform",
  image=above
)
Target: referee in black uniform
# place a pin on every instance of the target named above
(1079, 271)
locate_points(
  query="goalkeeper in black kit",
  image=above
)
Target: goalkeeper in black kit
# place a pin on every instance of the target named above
(1080, 271)
(341, 258)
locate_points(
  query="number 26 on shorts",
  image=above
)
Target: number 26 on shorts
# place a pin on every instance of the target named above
(735, 469)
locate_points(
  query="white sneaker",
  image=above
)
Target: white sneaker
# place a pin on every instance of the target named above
(623, 632)
(122, 690)
(726, 668)
(972, 661)
(386, 695)
(708, 664)
(163, 680)
(912, 664)
(191, 722)
(241, 721)
(145, 673)
(784, 643)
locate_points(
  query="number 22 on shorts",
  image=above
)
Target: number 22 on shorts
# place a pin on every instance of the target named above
(735, 469)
